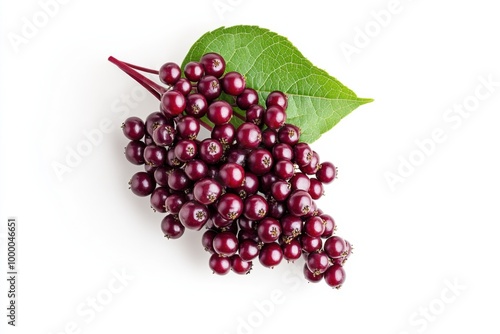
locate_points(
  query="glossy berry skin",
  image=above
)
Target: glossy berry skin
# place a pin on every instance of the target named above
(314, 226)
(292, 250)
(178, 180)
(230, 206)
(196, 105)
(317, 262)
(284, 169)
(172, 227)
(155, 155)
(195, 169)
(209, 87)
(232, 175)
(248, 249)
(161, 176)
(154, 120)
(335, 276)
(157, 199)
(250, 185)
(310, 276)
(183, 86)
(260, 161)
(174, 202)
(237, 155)
(266, 181)
(224, 133)
(164, 135)
(300, 181)
(220, 222)
(225, 243)
(254, 114)
(220, 112)
(142, 184)
(134, 128)
(214, 64)
(269, 230)
(270, 255)
(315, 188)
(207, 191)
(188, 127)
(302, 154)
(289, 134)
(312, 167)
(186, 150)
(220, 265)
(329, 225)
(255, 207)
(291, 225)
(280, 190)
(239, 266)
(269, 138)
(310, 244)
(170, 73)
(207, 240)
(247, 98)
(299, 203)
(335, 247)
(248, 135)
(210, 151)
(233, 83)
(194, 71)
(134, 152)
(193, 215)
(277, 98)
(173, 103)
(274, 117)
(326, 172)
(282, 151)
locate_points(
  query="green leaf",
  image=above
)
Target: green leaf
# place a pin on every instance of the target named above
(316, 100)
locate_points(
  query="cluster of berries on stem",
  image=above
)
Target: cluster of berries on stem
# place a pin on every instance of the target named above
(252, 186)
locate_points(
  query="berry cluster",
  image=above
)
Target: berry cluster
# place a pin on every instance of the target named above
(253, 187)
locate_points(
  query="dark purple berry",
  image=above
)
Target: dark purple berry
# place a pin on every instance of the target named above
(302, 154)
(334, 276)
(255, 207)
(214, 64)
(239, 266)
(310, 276)
(133, 128)
(299, 203)
(207, 191)
(158, 198)
(248, 135)
(232, 175)
(274, 117)
(277, 98)
(248, 249)
(292, 250)
(335, 247)
(233, 83)
(207, 240)
(173, 103)
(142, 184)
(186, 150)
(193, 215)
(193, 71)
(220, 265)
(183, 86)
(247, 98)
(326, 172)
(172, 227)
(170, 73)
(230, 206)
(196, 105)
(174, 202)
(260, 161)
(269, 230)
(195, 169)
(209, 87)
(225, 243)
(270, 255)
(134, 152)
(220, 112)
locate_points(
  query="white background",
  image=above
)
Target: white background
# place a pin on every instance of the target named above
(437, 228)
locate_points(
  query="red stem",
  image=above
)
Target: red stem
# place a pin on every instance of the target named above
(150, 85)
(143, 69)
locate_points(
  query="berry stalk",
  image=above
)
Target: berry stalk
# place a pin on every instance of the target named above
(150, 85)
